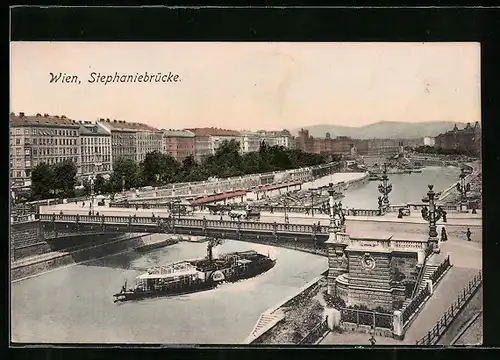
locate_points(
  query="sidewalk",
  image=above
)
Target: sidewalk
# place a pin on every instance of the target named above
(447, 291)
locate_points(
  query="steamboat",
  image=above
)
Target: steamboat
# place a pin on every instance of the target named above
(191, 276)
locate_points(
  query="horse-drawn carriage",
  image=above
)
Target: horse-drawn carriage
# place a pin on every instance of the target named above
(248, 214)
(216, 209)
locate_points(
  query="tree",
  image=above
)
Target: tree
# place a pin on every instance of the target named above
(42, 178)
(125, 174)
(65, 178)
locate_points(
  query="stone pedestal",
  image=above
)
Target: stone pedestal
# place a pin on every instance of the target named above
(398, 331)
(420, 257)
(333, 318)
(337, 261)
(430, 286)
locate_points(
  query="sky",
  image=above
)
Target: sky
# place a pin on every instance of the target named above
(250, 86)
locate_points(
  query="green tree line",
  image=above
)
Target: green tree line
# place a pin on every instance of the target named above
(159, 169)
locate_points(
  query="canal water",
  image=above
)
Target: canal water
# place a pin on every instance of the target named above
(74, 304)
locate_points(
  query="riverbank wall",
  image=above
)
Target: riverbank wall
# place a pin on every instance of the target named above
(41, 263)
(268, 321)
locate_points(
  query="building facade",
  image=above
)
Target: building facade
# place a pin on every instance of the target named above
(250, 141)
(208, 140)
(467, 139)
(95, 150)
(304, 141)
(132, 140)
(178, 143)
(40, 139)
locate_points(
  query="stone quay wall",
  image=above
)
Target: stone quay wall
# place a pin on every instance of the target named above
(36, 265)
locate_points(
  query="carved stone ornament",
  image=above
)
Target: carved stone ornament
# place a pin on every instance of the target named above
(368, 262)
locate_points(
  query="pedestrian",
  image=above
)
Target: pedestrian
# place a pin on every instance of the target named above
(444, 236)
(468, 233)
(83, 204)
(221, 218)
(90, 213)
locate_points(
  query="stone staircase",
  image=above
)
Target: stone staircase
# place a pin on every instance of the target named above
(265, 322)
(428, 271)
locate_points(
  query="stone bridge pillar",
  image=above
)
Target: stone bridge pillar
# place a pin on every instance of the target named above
(337, 260)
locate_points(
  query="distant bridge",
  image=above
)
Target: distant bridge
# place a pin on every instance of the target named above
(277, 233)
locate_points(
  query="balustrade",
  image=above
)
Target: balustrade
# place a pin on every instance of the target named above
(188, 222)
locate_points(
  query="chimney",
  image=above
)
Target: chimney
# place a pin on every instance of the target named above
(113, 120)
(63, 116)
(38, 115)
(107, 119)
(21, 114)
(46, 115)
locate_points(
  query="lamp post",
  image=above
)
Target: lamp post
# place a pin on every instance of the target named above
(463, 188)
(385, 187)
(313, 194)
(337, 214)
(92, 194)
(285, 203)
(432, 215)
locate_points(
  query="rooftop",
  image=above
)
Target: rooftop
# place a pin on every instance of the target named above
(87, 129)
(177, 133)
(32, 120)
(211, 131)
(123, 125)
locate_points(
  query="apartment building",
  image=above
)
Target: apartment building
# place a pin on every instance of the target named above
(36, 139)
(466, 139)
(250, 141)
(208, 140)
(95, 150)
(132, 140)
(178, 143)
(304, 141)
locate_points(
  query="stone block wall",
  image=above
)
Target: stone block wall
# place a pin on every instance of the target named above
(371, 298)
(406, 263)
(25, 234)
(378, 277)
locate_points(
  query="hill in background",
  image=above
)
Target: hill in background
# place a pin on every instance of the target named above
(383, 130)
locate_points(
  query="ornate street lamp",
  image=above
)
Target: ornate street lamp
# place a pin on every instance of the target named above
(432, 215)
(337, 214)
(313, 194)
(385, 187)
(91, 179)
(463, 188)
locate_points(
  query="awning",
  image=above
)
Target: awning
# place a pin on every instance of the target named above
(276, 186)
(217, 197)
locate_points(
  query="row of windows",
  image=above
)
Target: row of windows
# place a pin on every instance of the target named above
(92, 168)
(96, 149)
(94, 140)
(54, 151)
(96, 158)
(48, 141)
(47, 132)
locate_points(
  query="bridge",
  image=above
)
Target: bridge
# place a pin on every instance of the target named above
(277, 233)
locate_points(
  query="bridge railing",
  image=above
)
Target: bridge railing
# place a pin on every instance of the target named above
(187, 222)
(363, 212)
